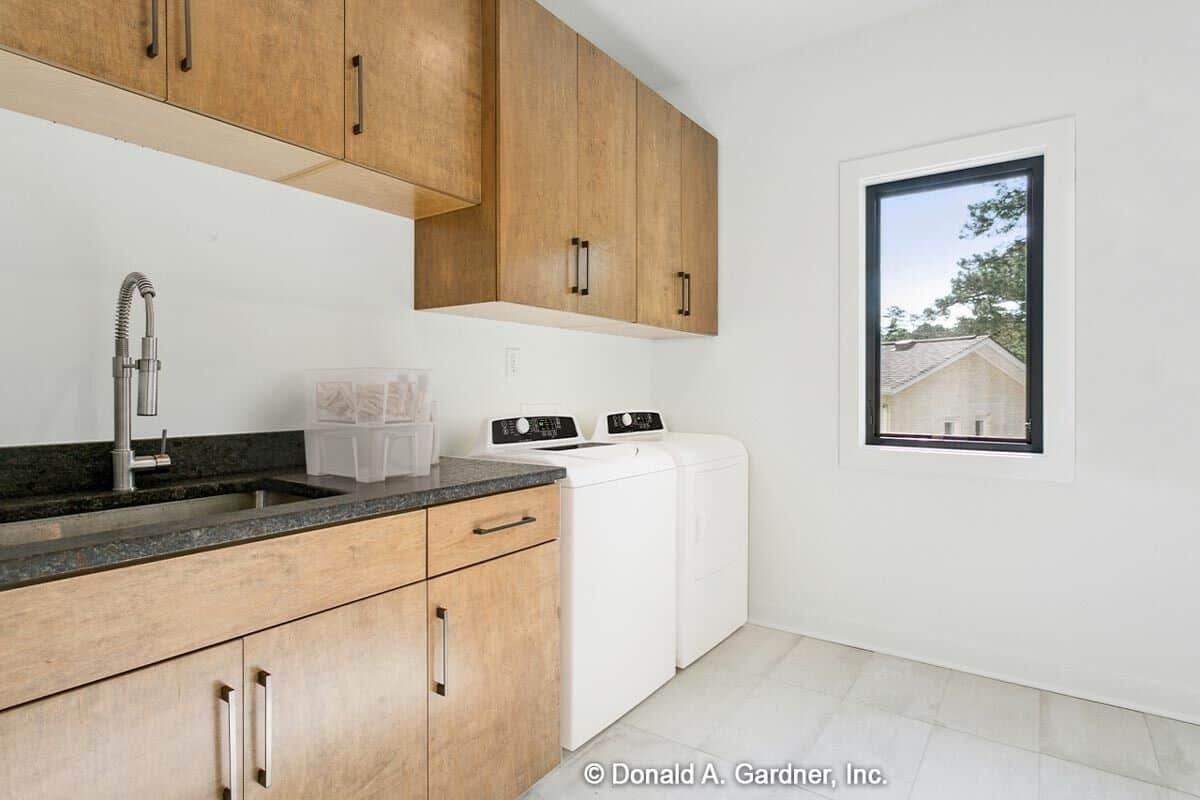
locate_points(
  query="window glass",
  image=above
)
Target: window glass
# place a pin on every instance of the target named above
(952, 274)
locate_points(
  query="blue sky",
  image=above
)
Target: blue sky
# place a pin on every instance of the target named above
(920, 245)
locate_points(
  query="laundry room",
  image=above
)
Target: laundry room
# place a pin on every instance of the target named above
(537, 399)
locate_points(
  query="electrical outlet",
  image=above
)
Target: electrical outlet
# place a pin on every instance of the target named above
(512, 362)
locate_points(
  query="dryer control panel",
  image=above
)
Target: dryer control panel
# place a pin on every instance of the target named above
(635, 422)
(533, 430)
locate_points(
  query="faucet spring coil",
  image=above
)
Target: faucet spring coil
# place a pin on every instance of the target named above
(125, 300)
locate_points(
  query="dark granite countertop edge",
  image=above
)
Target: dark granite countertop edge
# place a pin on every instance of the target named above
(24, 568)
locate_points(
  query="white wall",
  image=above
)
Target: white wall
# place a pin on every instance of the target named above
(256, 283)
(1088, 587)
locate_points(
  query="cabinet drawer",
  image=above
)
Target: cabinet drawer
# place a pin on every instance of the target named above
(466, 533)
(64, 633)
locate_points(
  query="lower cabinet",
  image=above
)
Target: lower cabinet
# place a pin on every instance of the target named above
(335, 703)
(444, 689)
(162, 732)
(494, 662)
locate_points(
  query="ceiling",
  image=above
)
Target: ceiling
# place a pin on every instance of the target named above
(666, 42)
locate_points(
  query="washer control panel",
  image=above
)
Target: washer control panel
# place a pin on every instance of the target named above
(521, 430)
(634, 422)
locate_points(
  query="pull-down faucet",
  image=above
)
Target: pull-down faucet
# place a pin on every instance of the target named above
(125, 463)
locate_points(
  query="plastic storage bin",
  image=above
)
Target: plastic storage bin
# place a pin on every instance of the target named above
(370, 453)
(368, 396)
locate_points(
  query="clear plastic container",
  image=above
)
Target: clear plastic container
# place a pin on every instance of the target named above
(370, 453)
(368, 396)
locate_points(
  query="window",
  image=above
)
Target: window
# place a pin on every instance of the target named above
(954, 309)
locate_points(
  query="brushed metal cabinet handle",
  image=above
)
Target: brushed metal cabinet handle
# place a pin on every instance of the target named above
(264, 774)
(682, 291)
(687, 293)
(586, 286)
(440, 686)
(186, 63)
(152, 48)
(357, 63)
(229, 697)
(522, 521)
(576, 244)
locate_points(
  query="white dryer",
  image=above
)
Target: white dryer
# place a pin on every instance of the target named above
(713, 526)
(618, 565)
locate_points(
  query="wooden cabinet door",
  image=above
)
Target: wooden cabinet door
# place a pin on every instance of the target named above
(607, 185)
(537, 154)
(494, 648)
(160, 732)
(113, 40)
(699, 227)
(659, 260)
(274, 66)
(418, 114)
(346, 694)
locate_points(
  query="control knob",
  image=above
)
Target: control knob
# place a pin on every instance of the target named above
(522, 426)
(627, 419)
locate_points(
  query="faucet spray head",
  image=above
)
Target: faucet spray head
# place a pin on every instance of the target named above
(148, 367)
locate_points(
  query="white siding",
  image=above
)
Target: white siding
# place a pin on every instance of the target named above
(967, 390)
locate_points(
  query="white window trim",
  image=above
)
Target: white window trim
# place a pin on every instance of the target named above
(1056, 141)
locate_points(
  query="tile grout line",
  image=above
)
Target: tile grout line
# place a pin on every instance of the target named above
(1154, 749)
(920, 765)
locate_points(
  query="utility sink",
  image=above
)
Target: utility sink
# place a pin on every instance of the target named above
(113, 519)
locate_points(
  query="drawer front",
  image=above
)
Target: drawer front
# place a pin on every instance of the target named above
(461, 534)
(60, 634)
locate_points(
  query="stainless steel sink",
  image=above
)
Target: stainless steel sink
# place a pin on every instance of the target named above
(112, 519)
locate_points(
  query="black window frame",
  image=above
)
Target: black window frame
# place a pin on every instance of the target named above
(1033, 168)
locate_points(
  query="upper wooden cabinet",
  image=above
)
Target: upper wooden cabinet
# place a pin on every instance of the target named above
(698, 228)
(274, 66)
(122, 42)
(161, 732)
(536, 155)
(607, 185)
(582, 220)
(494, 667)
(376, 102)
(677, 219)
(345, 695)
(661, 284)
(414, 76)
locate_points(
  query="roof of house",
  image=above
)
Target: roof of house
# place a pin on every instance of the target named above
(903, 363)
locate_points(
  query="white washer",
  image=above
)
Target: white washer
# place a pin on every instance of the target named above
(713, 533)
(618, 565)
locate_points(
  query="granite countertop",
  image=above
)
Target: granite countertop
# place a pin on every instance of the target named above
(331, 500)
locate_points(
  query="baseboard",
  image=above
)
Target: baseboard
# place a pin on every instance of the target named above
(999, 676)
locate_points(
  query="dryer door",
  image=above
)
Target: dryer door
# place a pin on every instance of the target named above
(719, 516)
(713, 556)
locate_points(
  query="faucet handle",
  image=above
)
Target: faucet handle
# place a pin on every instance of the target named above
(162, 460)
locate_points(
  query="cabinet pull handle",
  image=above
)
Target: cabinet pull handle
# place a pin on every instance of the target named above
(575, 243)
(186, 63)
(587, 268)
(357, 63)
(440, 686)
(229, 697)
(687, 293)
(152, 48)
(264, 774)
(522, 521)
(682, 291)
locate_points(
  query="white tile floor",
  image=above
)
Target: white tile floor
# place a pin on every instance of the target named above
(768, 698)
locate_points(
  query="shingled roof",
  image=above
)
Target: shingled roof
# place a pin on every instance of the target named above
(905, 362)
